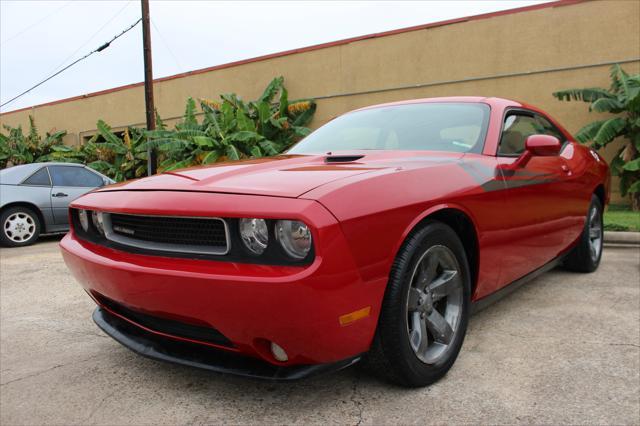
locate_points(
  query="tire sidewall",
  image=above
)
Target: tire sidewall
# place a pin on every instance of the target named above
(593, 264)
(412, 369)
(5, 240)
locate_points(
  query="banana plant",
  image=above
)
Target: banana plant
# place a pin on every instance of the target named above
(119, 157)
(18, 148)
(622, 102)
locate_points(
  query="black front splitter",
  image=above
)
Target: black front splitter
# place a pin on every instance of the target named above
(199, 356)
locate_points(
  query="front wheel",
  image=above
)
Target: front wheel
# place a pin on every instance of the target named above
(20, 227)
(586, 255)
(425, 310)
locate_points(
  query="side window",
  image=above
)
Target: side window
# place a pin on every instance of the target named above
(39, 178)
(74, 176)
(516, 129)
(550, 129)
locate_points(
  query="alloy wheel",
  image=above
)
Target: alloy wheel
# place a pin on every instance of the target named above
(434, 304)
(595, 233)
(19, 227)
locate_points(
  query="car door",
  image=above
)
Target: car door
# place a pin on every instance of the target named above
(69, 183)
(536, 212)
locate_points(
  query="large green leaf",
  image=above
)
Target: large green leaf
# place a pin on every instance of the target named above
(105, 131)
(607, 105)
(271, 90)
(211, 157)
(305, 117)
(609, 130)
(633, 165)
(244, 123)
(586, 95)
(233, 153)
(190, 113)
(204, 141)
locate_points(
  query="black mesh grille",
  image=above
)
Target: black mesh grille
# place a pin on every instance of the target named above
(171, 230)
(163, 325)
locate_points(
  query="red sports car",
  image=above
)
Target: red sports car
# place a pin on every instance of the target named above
(373, 238)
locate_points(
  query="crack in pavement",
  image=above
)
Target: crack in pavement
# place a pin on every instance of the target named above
(354, 397)
(38, 373)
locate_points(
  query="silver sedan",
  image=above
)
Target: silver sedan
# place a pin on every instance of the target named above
(34, 198)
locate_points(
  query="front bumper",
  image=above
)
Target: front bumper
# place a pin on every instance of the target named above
(194, 355)
(251, 305)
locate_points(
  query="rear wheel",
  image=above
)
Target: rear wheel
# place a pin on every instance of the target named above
(20, 227)
(425, 310)
(585, 257)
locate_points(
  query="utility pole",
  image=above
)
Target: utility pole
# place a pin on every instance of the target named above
(152, 159)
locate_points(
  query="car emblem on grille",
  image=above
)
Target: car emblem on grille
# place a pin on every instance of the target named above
(123, 230)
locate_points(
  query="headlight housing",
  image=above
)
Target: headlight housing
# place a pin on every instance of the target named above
(96, 218)
(254, 234)
(83, 216)
(294, 238)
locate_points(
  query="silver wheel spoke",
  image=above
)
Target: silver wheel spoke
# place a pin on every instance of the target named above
(419, 339)
(439, 327)
(434, 303)
(414, 297)
(427, 270)
(443, 285)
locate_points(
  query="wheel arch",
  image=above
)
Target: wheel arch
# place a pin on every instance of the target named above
(601, 194)
(462, 223)
(31, 206)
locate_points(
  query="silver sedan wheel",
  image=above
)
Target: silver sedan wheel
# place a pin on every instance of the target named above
(595, 233)
(19, 227)
(434, 304)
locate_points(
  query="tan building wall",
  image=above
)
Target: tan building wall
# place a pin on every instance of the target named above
(524, 55)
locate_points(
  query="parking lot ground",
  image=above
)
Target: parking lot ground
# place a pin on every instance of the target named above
(563, 349)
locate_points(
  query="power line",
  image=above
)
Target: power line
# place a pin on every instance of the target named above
(99, 49)
(91, 38)
(164, 42)
(19, 33)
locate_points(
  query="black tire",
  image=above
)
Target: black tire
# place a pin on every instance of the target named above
(391, 355)
(583, 257)
(29, 220)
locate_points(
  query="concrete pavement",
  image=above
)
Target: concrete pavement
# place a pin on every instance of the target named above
(563, 349)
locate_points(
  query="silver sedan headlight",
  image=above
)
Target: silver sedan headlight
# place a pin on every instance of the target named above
(294, 237)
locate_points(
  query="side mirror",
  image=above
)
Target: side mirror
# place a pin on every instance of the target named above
(535, 146)
(543, 145)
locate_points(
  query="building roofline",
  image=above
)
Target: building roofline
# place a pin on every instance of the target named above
(310, 48)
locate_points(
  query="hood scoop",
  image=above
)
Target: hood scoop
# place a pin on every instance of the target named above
(331, 159)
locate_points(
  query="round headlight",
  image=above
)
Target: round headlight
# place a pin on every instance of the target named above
(254, 234)
(84, 220)
(96, 218)
(294, 237)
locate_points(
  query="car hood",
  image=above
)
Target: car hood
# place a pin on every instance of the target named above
(285, 175)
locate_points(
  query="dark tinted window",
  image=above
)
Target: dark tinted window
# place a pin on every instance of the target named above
(74, 176)
(550, 129)
(518, 127)
(40, 178)
(454, 127)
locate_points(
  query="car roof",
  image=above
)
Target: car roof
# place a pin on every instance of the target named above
(459, 99)
(16, 174)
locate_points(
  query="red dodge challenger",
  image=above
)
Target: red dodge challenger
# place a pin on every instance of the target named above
(373, 238)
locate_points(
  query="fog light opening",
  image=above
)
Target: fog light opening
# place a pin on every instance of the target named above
(278, 353)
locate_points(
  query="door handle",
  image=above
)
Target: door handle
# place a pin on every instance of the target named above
(566, 169)
(59, 194)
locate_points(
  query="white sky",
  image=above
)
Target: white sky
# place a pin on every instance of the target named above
(38, 38)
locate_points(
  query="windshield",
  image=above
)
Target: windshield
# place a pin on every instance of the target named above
(453, 127)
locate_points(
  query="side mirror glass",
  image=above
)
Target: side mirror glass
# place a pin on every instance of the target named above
(543, 145)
